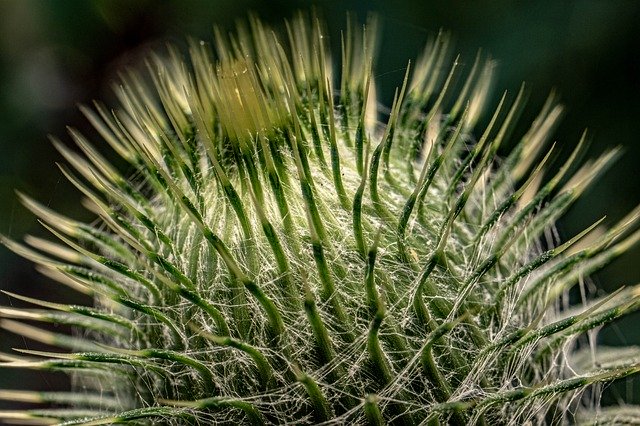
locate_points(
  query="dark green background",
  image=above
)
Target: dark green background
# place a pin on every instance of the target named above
(56, 54)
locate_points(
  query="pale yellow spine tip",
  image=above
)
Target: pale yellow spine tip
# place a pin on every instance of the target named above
(243, 106)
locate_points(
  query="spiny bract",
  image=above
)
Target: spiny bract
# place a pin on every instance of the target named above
(279, 255)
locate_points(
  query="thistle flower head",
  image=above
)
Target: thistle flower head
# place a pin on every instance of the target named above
(286, 253)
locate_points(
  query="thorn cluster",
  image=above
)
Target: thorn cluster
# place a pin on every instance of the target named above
(282, 256)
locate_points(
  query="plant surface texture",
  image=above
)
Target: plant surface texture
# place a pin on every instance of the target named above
(277, 248)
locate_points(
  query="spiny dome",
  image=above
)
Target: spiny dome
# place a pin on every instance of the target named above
(286, 253)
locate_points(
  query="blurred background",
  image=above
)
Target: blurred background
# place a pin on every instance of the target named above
(56, 54)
